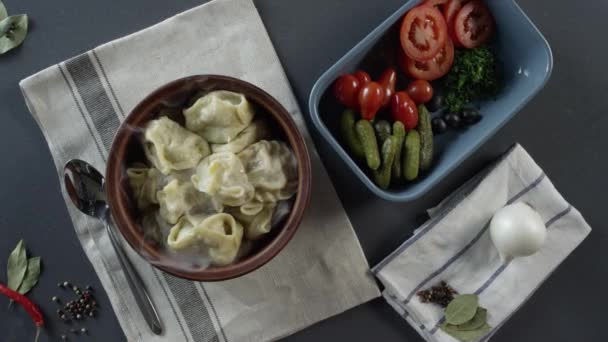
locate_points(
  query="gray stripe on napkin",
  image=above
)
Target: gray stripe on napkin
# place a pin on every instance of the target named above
(450, 261)
(502, 267)
(99, 148)
(164, 289)
(106, 122)
(96, 101)
(190, 304)
(105, 77)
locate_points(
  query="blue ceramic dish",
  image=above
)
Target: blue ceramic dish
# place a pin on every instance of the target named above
(527, 64)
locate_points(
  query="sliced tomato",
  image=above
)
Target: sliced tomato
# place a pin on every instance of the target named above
(429, 70)
(423, 33)
(474, 24)
(450, 10)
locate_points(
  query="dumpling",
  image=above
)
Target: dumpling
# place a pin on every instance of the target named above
(219, 116)
(220, 232)
(258, 224)
(271, 168)
(222, 175)
(144, 182)
(252, 207)
(256, 131)
(178, 198)
(170, 147)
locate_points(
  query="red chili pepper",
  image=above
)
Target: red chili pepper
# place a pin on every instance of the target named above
(27, 304)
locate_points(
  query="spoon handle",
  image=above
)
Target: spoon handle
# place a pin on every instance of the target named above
(136, 284)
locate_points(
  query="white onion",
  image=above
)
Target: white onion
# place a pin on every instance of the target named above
(517, 230)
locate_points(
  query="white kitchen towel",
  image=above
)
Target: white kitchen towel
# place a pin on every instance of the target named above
(80, 103)
(454, 246)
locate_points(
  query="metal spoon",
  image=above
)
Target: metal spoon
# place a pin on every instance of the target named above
(85, 186)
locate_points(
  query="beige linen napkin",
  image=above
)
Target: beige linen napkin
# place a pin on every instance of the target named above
(455, 246)
(79, 105)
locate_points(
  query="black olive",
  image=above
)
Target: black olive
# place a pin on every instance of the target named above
(452, 119)
(470, 116)
(439, 125)
(436, 103)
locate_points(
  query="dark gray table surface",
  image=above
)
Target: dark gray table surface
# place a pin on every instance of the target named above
(563, 128)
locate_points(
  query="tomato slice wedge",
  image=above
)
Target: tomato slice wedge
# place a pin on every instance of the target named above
(474, 24)
(429, 70)
(451, 8)
(423, 33)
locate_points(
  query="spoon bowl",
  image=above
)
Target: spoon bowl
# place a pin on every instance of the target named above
(85, 186)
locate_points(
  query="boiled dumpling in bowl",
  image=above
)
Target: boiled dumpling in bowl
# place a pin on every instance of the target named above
(221, 233)
(170, 147)
(219, 116)
(178, 198)
(271, 168)
(258, 224)
(144, 182)
(255, 132)
(222, 175)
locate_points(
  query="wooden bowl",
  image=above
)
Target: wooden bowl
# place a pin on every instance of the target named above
(126, 150)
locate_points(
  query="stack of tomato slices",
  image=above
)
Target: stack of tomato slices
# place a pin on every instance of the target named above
(430, 31)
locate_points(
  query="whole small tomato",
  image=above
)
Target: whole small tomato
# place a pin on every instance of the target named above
(388, 80)
(371, 98)
(363, 77)
(346, 90)
(404, 109)
(420, 91)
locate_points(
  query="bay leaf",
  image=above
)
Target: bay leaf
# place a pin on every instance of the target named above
(461, 309)
(13, 31)
(16, 266)
(466, 335)
(3, 12)
(480, 318)
(31, 275)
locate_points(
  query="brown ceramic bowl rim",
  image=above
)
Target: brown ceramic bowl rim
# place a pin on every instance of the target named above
(117, 198)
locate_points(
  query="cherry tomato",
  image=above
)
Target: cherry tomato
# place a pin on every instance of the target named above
(346, 90)
(474, 24)
(420, 91)
(363, 77)
(430, 70)
(404, 110)
(388, 80)
(423, 33)
(371, 98)
(450, 10)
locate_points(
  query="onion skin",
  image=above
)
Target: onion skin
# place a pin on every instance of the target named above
(517, 230)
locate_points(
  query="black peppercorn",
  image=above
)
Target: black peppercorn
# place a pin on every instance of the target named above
(84, 330)
(66, 284)
(441, 294)
(64, 338)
